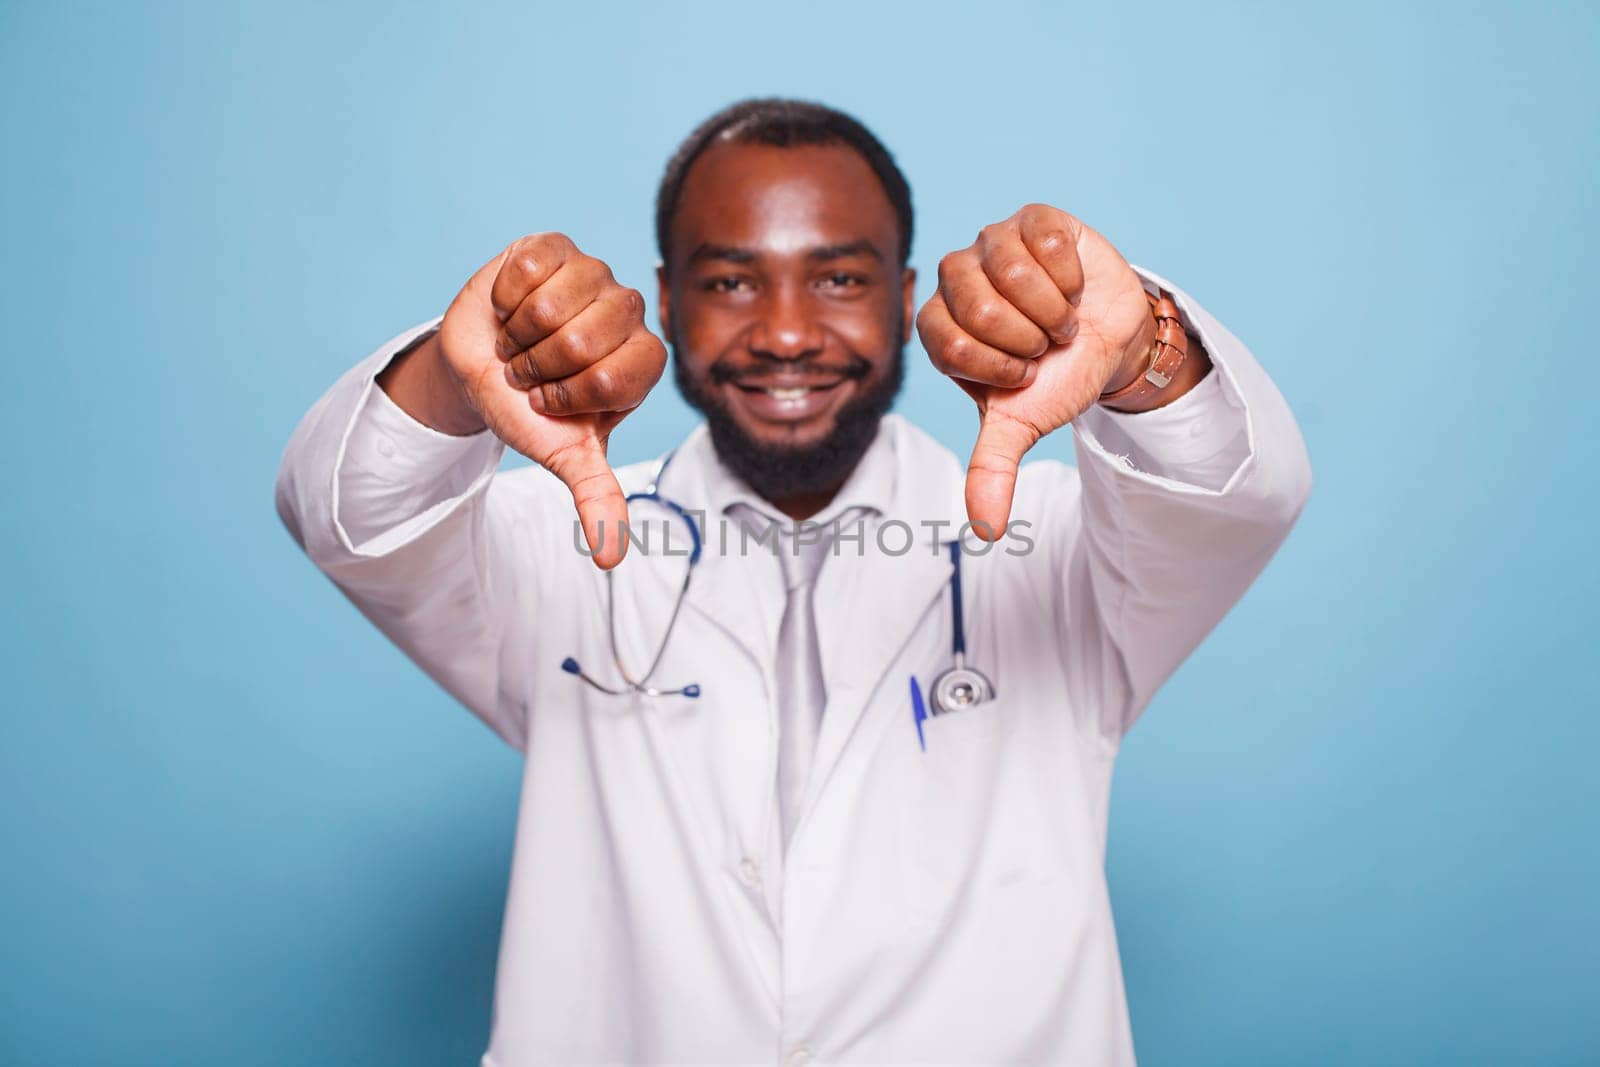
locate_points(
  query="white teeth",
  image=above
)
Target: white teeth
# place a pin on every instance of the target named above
(795, 393)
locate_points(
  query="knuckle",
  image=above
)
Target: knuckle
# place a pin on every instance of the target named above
(527, 369)
(632, 302)
(526, 263)
(536, 251)
(1043, 216)
(562, 459)
(506, 344)
(1053, 241)
(516, 374)
(557, 396)
(574, 345)
(606, 382)
(1014, 272)
(552, 241)
(985, 315)
(587, 267)
(958, 351)
(544, 313)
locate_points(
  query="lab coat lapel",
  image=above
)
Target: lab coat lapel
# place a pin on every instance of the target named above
(720, 590)
(883, 597)
(720, 587)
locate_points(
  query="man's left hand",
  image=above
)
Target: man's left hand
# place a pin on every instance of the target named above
(1035, 319)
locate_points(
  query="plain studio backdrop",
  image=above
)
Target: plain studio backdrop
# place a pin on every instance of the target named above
(1359, 826)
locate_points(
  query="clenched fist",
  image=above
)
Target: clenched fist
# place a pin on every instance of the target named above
(550, 352)
(1034, 320)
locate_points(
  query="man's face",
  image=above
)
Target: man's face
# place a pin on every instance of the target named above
(786, 309)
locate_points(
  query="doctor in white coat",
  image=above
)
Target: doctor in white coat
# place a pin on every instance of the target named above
(772, 850)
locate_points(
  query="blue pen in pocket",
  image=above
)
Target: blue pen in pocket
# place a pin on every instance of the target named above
(919, 711)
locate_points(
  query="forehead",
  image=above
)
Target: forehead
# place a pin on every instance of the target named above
(779, 201)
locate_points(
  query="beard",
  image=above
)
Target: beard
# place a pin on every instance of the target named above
(778, 472)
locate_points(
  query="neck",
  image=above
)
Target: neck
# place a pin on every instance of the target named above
(802, 506)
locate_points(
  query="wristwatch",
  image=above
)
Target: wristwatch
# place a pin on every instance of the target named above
(1166, 354)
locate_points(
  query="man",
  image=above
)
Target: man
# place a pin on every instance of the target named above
(763, 825)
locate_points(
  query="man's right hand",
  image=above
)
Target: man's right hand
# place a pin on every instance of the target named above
(545, 348)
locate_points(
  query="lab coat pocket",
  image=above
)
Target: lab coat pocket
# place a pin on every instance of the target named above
(973, 826)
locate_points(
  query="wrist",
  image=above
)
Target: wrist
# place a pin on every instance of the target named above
(1133, 366)
(421, 382)
(1196, 365)
(1163, 363)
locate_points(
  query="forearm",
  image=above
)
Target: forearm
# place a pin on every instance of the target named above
(360, 473)
(403, 518)
(1183, 506)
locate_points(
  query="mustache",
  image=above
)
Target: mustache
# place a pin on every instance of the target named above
(722, 373)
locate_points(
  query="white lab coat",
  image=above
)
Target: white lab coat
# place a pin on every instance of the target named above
(939, 904)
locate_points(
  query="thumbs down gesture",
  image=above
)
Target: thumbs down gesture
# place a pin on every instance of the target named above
(1035, 320)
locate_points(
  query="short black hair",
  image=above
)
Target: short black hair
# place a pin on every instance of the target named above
(782, 124)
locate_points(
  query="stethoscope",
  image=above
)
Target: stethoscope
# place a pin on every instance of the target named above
(959, 686)
(642, 683)
(955, 689)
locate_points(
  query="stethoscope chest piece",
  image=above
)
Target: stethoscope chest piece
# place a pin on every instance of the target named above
(960, 688)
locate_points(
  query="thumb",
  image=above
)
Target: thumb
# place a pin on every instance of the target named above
(992, 473)
(602, 509)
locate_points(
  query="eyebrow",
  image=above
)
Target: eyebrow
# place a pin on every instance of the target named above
(862, 247)
(821, 254)
(727, 253)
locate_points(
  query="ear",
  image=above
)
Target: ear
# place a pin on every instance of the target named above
(908, 286)
(663, 301)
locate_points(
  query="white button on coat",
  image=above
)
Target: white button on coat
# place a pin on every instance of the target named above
(943, 896)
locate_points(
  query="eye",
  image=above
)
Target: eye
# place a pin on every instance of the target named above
(843, 279)
(727, 283)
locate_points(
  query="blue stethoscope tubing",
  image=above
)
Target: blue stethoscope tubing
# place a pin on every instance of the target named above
(642, 684)
(956, 688)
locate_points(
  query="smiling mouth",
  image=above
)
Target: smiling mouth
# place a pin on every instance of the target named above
(790, 392)
(788, 402)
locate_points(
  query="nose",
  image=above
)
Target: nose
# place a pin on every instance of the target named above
(786, 327)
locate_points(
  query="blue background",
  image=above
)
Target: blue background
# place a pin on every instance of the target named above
(1360, 826)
